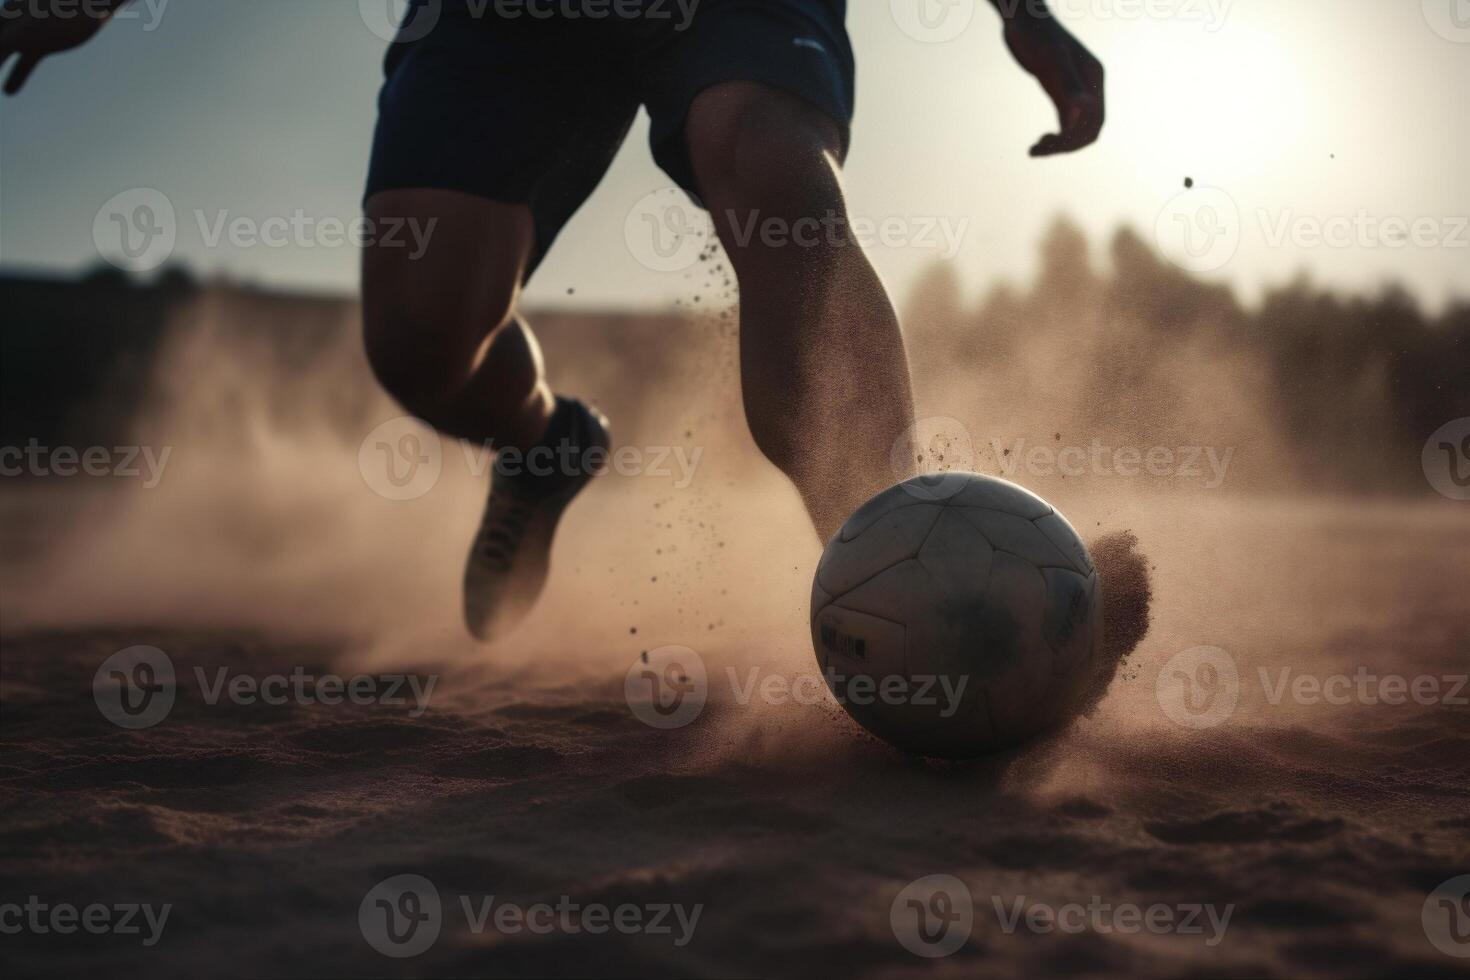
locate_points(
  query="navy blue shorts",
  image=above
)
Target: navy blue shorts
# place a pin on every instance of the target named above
(528, 101)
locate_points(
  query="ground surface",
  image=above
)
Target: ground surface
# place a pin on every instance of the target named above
(1325, 827)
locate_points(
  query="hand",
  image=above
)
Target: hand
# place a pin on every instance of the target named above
(1069, 74)
(33, 32)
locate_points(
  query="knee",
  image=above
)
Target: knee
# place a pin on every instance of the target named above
(422, 349)
(422, 339)
(754, 148)
(427, 312)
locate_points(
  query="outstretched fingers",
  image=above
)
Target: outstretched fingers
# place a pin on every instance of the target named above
(1081, 122)
(22, 69)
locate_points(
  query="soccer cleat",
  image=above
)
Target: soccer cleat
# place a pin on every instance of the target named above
(510, 557)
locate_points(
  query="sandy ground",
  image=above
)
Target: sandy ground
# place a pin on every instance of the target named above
(1322, 828)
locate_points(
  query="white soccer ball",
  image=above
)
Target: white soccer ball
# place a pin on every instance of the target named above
(957, 614)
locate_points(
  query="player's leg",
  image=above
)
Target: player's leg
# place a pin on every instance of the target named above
(823, 369)
(440, 327)
(443, 337)
(487, 145)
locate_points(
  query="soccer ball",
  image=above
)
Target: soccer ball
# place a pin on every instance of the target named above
(957, 614)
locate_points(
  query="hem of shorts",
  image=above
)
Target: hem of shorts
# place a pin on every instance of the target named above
(842, 116)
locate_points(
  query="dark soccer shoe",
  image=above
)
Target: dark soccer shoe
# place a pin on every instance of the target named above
(510, 556)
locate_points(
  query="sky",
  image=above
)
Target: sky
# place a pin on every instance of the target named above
(1324, 137)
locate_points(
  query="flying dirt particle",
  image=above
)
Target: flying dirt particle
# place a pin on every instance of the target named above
(1188, 182)
(1058, 437)
(1127, 595)
(632, 631)
(644, 655)
(571, 291)
(653, 578)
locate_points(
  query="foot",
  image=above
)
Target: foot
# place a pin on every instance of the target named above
(511, 554)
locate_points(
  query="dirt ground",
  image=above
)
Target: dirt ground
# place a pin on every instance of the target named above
(1322, 827)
